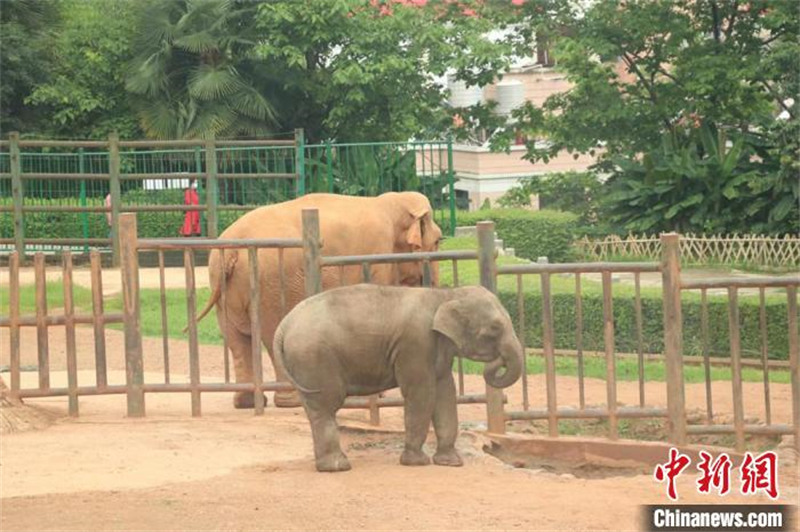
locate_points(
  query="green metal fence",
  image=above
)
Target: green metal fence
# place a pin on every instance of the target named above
(370, 169)
(64, 188)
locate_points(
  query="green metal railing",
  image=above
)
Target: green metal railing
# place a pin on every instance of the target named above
(60, 200)
(370, 169)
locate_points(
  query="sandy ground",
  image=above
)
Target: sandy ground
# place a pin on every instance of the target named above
(232, 470)
(112, 279)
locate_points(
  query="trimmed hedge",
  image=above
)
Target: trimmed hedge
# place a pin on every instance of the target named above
(70, 224)
(625, 338)
(532, 234)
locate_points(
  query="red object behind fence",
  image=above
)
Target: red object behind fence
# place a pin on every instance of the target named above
(191, 219)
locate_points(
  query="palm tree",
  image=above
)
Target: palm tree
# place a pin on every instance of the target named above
(191, 76)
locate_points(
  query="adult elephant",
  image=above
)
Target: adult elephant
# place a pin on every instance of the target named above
(394, 222)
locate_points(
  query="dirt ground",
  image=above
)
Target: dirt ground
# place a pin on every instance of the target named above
(232, 470)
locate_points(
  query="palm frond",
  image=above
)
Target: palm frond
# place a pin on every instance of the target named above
(146, 75)
(199, 42)
(207, 82)
(158, 119)
(251, 103)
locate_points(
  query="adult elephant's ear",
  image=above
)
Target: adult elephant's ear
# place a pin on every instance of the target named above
(450, 322)
(417, 207)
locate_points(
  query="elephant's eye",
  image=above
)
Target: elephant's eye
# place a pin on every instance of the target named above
(489, 332)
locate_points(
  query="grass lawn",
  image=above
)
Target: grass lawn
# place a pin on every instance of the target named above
(82, 298)
(628, 370)
(468, 273)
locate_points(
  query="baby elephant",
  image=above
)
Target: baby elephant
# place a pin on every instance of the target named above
(364, 339)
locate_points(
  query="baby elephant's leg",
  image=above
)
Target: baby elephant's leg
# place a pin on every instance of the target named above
(418, 410)
(321, 411)
(445, 422)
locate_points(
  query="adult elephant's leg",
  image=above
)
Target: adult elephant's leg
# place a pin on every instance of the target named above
(240, 345)
(274, 307)
(419, 401)
(321, 411)
(445, 422)
(283, 399)
(242, 355)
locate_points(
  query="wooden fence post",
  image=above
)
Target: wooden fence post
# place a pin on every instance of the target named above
(313, 282)
(794, 361)
(673, 336)
(255, 337)
(13, 311)
(311, 252)
(17, 194)
(129, 262)
(300, 160)
(212, 189)
(115, 189)
(495, 415)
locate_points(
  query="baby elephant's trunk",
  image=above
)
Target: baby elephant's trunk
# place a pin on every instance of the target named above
(504, 371)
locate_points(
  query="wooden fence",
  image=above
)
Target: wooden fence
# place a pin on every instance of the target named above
(316, 264)
(135, 387)
(757, 250)
(670, 249)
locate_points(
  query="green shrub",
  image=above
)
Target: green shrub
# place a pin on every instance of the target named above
(59, 224)
(625, 337)
(532, 234)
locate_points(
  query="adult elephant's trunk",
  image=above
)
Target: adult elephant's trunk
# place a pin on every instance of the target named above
(504, 371)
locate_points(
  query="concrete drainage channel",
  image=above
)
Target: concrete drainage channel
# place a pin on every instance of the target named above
(589, 458)
(570, 457)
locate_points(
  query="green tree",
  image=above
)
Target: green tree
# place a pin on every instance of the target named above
(84, 94)
(194, 69)
(652, 79)
(24, 38)
(355, 70)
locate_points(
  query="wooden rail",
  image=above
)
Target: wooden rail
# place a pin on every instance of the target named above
(393, 258)
(208, 244)
(581, 267)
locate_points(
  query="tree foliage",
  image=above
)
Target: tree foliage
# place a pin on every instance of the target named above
(24, 37)
(698, 180)
(194, 70)
(83, 93)
(653, 81)
(366, 70)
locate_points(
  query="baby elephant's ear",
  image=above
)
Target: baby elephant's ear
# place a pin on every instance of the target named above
(450, 321)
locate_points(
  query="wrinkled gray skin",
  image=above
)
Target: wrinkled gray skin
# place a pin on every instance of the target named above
(364, 339)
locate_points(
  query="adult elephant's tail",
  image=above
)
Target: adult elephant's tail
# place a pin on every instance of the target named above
(230, 259)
